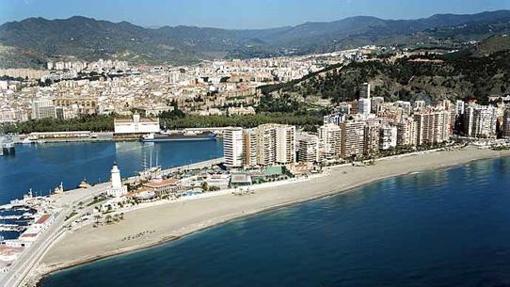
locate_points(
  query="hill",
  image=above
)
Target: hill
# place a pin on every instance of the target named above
(478, 73)
(34, 40)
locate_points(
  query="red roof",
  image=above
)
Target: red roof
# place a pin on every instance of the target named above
(42, 219)
(161, 183)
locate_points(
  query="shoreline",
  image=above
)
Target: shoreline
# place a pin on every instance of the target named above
(55, 260)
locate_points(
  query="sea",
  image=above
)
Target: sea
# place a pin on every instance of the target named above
(42, 167)
(447, 227)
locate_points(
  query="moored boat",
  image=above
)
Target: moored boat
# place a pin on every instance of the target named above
(200, 136)
(84, 184)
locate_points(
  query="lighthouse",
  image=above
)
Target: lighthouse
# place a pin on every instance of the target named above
(116, 188)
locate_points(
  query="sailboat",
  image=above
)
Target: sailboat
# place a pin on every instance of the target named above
(151, 171)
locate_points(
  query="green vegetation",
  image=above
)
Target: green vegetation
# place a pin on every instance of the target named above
(93, 123)
(247, 121)
(29, 43)
(492, 45)
(429, 77)
(73, 213)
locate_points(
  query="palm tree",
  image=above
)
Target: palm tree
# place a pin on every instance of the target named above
(97, 217)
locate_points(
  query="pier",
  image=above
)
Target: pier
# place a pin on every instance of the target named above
(7, 147)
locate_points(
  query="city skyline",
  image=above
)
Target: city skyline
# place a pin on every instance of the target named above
(235, 14)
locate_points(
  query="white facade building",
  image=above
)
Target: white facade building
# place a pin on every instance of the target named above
(480, 121)
(330, 141)
(308, 148)
(136, 125)
(388, 137)
(233, 147)
(43, 108)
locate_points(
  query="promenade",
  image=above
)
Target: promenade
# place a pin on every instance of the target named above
(173, 219)
(28, 260)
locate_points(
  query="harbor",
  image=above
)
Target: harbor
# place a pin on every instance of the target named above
(44, 217)
(72, 162)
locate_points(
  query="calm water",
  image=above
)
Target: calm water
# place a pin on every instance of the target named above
(42, 167)
(438, 228)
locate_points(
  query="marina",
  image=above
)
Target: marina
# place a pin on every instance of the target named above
(185, 136)
(85, 164)
(71, 163)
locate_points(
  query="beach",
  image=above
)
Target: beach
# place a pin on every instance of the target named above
(153, 225)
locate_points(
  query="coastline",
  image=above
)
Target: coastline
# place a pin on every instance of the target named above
(173, 220)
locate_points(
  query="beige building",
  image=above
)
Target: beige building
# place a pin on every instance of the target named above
(275, 144)
(250, 147)
(353, 139)
(371, 137)
(432, 126)
(308, 148)
(330, 141)
(266, 144)
(506, 124)
(285, 144)
(406, 132)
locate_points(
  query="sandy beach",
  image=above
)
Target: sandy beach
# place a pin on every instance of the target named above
(153, 225)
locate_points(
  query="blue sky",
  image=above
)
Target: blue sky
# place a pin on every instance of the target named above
(237, 13)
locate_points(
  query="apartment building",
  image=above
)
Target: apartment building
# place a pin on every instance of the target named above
(233, 147)
(353, 138)
(330, 141)
(433, 126)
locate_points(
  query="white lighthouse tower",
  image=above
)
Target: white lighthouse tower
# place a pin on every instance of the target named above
(116, 189)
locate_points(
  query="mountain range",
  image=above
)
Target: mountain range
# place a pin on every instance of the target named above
(33, 41)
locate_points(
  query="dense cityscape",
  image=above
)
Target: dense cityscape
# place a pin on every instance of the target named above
(284, 137)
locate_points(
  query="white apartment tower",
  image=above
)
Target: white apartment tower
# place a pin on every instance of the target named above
(330, 141)
(388, 137)
(480, 121)
(233, 147)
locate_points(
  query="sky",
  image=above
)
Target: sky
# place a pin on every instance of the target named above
(238, 14)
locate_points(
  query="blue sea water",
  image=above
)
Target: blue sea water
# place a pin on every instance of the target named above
(436, 228)
(42, 167)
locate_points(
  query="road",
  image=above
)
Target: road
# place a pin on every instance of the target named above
(29, 259)
(32, 255)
